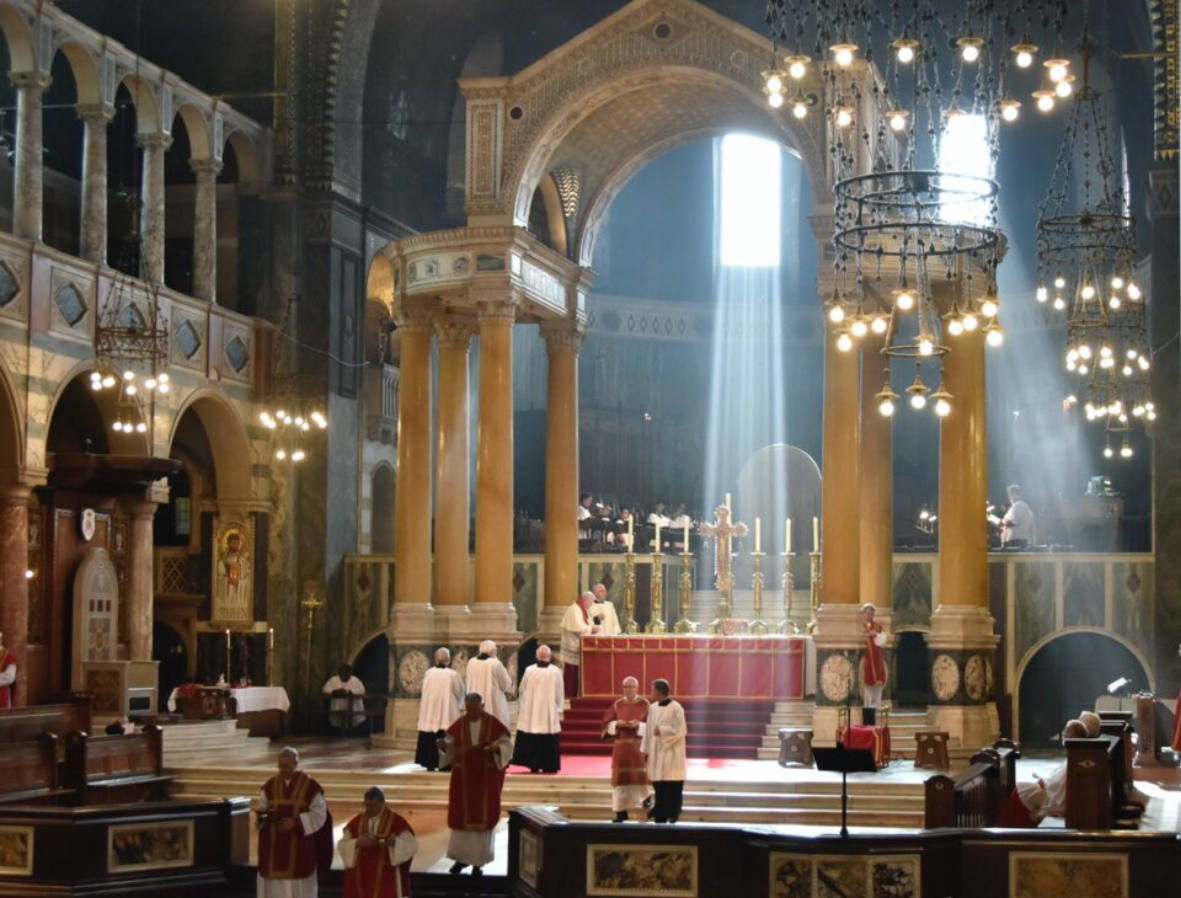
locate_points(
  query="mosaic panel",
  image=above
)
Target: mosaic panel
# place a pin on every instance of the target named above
(912, 594)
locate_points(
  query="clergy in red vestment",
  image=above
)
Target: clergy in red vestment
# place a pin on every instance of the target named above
(376, 848)
(624, 725)
(873, 666)
(478, 748)
(7, 676)
(295, 832)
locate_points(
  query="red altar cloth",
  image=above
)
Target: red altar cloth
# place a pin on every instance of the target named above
(876, 739)
(751, 667)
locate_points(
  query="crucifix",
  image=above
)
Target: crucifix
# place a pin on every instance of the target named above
(722, 530)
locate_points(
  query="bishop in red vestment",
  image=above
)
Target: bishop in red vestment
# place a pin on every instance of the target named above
(624, 725)
(377, 847)
(478, 748)
(7, 676)
(295, 832)
(873, 666)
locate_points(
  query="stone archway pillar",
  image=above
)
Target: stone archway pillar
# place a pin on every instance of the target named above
(96, 118)
(151, 225)
(205, 228)
(141, 512)
(14, 585)
(28, 187)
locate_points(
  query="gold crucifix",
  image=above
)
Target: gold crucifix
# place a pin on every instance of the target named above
(723, 531)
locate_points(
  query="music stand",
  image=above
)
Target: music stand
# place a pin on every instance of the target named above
(844, 761)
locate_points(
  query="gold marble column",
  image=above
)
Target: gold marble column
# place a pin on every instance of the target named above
(141, 512)
(494, 455)
(412, 503)
(876, 502)
(14, 587)
(840, 468)
(562, 341)
(452, 477)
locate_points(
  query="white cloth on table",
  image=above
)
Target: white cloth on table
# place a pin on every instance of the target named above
(310, 820)
(664, 742)
(474, 847)
(576, 624)
(608, 616)
(1020, 519)
(251, 698)
(338, 707)
(489, 678)
(442, 699)
(400, 850)
(542, 698)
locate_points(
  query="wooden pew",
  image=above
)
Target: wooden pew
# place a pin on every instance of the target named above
(1094, 781)
(974, 798)
(105, 770)
(27, 723)
(28, 772)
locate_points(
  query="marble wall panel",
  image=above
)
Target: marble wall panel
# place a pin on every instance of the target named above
(1132, 602)
(912, 594)
(1083, 594)
(526, 585)
(1034, 603)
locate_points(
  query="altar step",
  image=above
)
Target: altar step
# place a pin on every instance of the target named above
(206, 741)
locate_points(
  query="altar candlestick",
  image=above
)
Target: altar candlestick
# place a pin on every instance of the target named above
(658, 536)
(787, 538)
(631, 534)
(815, 534)
(229, 655)
(727, 500)
(685, 548)
(758, 534)
(270, 637)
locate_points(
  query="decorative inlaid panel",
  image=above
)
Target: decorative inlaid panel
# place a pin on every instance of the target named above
(1083, 594)
(1034, 603)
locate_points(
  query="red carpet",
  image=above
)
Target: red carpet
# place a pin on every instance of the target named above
(599, 765)
(718, 728)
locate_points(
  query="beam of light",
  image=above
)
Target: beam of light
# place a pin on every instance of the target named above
(963, 150)
(751, 172)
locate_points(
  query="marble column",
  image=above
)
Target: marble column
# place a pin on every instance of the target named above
(961, 641)
(27, 190)
(876, 501)
(95, 118)
(151, 225)
(562, 342)
(452, 467)
(412, 504)
(494, 468)
(14, 587)
(140, 571)
(205, 228)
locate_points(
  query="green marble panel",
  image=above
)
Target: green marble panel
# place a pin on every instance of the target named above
(912, 594)
(1132, 602)
(611, 573)
(1034, 600)
(525, 590)
(1083, 594)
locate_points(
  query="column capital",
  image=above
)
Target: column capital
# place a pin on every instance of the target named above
(34, 82)
(97, 114)
(208, 166)
(160, 141)
(455, 333)
(501, 310)
(562, 336)
(413, 320)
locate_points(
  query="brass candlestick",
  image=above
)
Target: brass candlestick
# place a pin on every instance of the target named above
(758, 626)
(725, 584)
(270, 656)
(629, 594)
(684, 625)
(816, 574)
(788, 625)
(656, 623)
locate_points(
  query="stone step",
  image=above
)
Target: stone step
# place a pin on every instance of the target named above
(781, 816)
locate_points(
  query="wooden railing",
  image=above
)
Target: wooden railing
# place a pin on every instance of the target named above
(974, 798)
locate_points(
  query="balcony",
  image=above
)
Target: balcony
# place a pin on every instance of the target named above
(381, 403)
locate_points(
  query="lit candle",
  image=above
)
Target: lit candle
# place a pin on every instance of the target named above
(228, 643)
(758, 534)
(686, 549)
(270, 637)
(658, 536)
(727, 500)
(631, 533)
(815, 534)
(787, 538)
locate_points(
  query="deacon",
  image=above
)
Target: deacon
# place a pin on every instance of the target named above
(663, 745)
(576, 623)
(487, 676)
(294, 832)
(441, 703)
(602, 611)
(624, 726)
(7, 676)
(873, 666)
(477, 747)
(1031, 803)
(539, 720)
(376, 847)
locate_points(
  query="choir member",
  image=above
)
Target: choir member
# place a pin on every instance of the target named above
(1018, 526)
(681, 518)
(602, 611)
(346, 691)
(7, 676)
(624, 726)
(440, 705)
(873, 665)
(576, 623)
(295, 832)
(539, 720)
(376, 848)
(584, 515)
(477, 746)
(1030, 803)
(625, 527)
(488, 676)
(658, 519)
(663, 745)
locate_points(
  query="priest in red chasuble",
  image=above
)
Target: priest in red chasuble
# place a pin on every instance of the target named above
(873, 666)
(624, 726)
(295, 832)
(478, 748)
(376, 848)
(7, 676)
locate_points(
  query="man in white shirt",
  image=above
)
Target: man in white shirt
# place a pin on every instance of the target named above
(488, 676)
(346, 691)
(663, 746)
(539, 720)
(657, 518)
(681, 518)
(602, 611)
(584, 515)
(576, 623)
(1018, 526)
(439, 707)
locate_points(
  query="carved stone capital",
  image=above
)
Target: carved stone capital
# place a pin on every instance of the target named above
(154, 141)
(206, 166)
(562, 336)
(33, 82)
(455, 333)
(413, 320)
(502, 310)
(97, 115)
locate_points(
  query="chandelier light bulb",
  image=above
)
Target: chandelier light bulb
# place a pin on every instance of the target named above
(1107, 363)
(1072, 355)
(897, 119)
(774, 83)
(162, 388)
(797, 70)
(141, 427)
(970, 48)
(1088, 291)
(1108, 452)
(1083, 368)
(1131, 353)
(117, 426)
(1117, 282)
(1143, 362)
(799, 108)
(843, 54)
(1023, 54)
(836, 313)
(926, 346)
(859, 328)
(797, 65)
(879, 324)
(1064, 88)
(970, 323)
(995, 336)
(1138, 411)
(96, 385)
(904, 49)
(1123, 418)
(130, 390)
(95, 376)
(1105, 351)
(1059, 304)
(1010, 110)
(844, 342)
(1150, 415)
(1042, 293)
(918, 401)
(150, 384)
(1057, 68)
(129, 375)
(886, 408)
(1114, 302)
(280, 454)
(1125, 451)
(1045, 100)
(942, 408)
(955, 327)
(1059, 281)
(163, 378)
(844, 116)
(775, 100)
(297, 455)
(989, 307)
(1133, 290)
(1084, 351)
(903, 299)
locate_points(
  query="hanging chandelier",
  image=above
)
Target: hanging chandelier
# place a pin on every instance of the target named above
(1086, 250)
(292, 413)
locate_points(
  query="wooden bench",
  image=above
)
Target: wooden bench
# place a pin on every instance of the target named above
(1098, 783)
(105, 770)
(29, 773)
(27, 723)
(974, 798)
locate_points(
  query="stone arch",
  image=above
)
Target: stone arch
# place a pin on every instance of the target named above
(547, 192)
(22, 50)
(12, 441)
(105, 404)
(197, 126)
(246, 154)
(86, 72)
(146, 103)
(382, 493)
(227, 440)
(1032, 654)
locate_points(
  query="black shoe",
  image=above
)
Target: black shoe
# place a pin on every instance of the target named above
(648, 802)
(477, 871)
(456, 868)
(620, 817)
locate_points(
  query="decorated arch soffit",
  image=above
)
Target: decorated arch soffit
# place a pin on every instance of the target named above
(652, 75)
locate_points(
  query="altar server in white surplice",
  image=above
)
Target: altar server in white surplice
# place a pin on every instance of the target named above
(664, 747)
(440, 706)
(487, 676)
(576, 623)
(539, 720)
(603, 610)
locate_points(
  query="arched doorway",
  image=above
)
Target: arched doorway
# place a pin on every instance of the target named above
(372, 666)
(381, 540)
(170, 650)
(1065, 676)
(912, 670)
